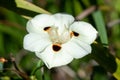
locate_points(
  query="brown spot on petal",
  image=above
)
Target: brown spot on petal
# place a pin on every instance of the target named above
(75, 34)
(56, 47)
(47, 28)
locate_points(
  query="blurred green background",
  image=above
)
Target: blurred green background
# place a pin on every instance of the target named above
(18, 64)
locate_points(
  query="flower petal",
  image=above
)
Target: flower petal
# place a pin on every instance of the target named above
(77, 48)
(54, 59)
(46, 56)
(36, 42)
(87, 32)
(39, 22)
(63, 21)
(83, 45)
(62, 58)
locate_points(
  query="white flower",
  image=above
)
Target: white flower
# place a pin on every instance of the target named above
(58, 39)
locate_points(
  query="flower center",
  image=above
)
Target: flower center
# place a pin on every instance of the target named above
(58, 38)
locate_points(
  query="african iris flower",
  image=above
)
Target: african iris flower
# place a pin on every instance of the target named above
(58, 39)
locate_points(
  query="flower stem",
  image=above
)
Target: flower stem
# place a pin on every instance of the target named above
(42, 70)
(39, 65)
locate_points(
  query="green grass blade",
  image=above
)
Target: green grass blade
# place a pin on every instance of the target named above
(29, 6)
(1, 44)
(99, 21)
(117, 73)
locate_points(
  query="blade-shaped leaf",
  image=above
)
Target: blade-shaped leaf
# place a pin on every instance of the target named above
(99, 21)
(117, 73)
(103, 57)
(38, 66)
(29, 6)
(11, 5)
(1, 66)
(99, 73)
(1, 44)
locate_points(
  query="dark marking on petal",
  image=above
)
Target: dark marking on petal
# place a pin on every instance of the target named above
(75, 34)
(47, 28)
(56, 47)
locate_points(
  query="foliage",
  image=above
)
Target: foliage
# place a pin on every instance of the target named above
(117, 72)
(16, 63)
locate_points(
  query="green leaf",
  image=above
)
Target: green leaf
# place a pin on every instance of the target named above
(5, 78)
(99, 73)
(1, 66)
(38, 66)
(46, 74)
(29, 6)
(103, 57)
(16, 34)
(1, 44)
(117, 5)
(77, 7)
(11, 5)
(99, 21)
(117, 72)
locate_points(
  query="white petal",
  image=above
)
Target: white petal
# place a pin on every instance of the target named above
(36, 42)
(62, 58)
(39, 22)
(62, 21)
(87, 32)
(46, 56)
(76, 48)
(83, 45)
(55, 59)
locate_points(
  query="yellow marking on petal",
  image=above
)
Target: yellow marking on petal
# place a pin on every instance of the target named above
(71, 34)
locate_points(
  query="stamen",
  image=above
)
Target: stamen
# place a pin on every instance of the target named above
(57, 38)
(56, 47)
(47, 28)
